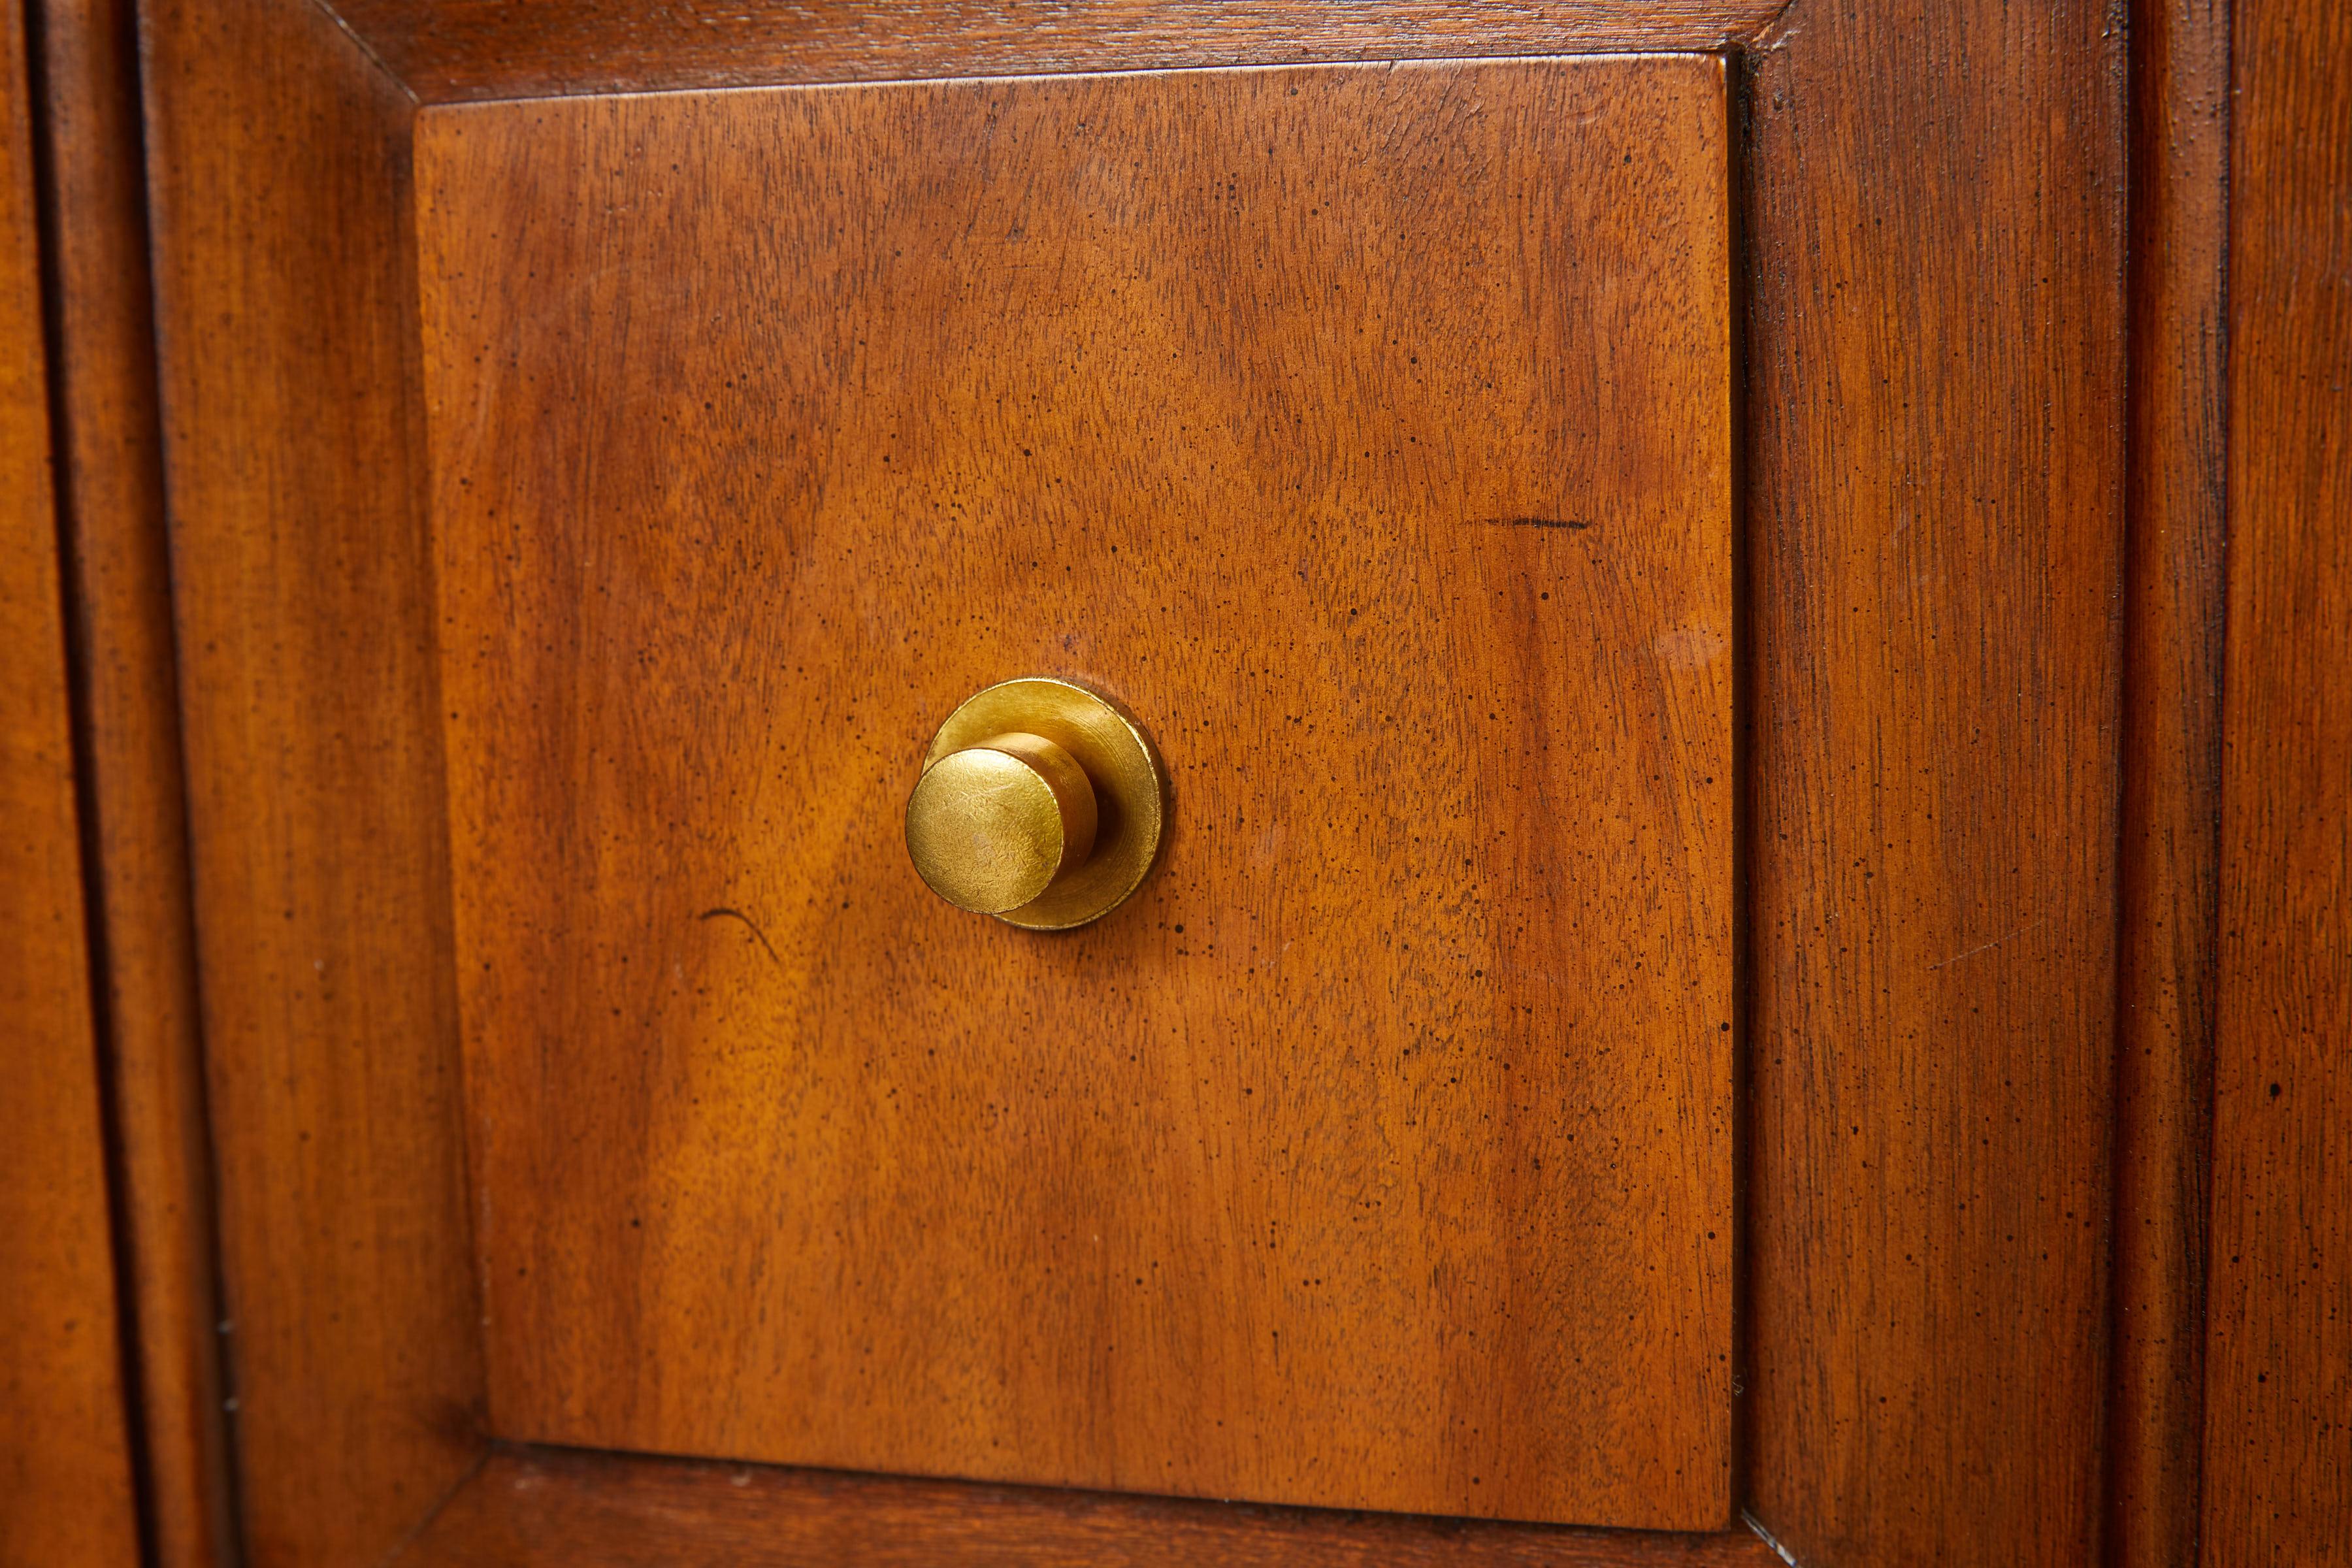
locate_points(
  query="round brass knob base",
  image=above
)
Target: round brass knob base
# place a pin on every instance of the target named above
(1041, 803)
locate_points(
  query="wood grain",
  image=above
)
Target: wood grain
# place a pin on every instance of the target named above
(458, 50)
(2278, 1429)
(1934, 463)
(67, 1497)
(2172, 774)
(551, 1506)
(1366, 430)
(286, 299)
(111, 491)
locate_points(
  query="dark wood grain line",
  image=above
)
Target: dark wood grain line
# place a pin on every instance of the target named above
(2171, 805)
(2278, 1375)
(1936, 373)
(279, 172)
(459, 50)
(110, 504)
(573, 1509)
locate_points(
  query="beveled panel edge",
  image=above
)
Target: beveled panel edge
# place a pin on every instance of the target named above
(455, 51)
(529, 1506)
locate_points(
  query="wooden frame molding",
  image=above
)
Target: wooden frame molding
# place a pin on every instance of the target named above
(277, 158)
(68, 1486)
(110, 483)
(1935, 339)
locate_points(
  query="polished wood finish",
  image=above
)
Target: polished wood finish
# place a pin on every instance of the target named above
(67, 1497)
(2278, 1430)
(456, 50)
(1378, 1153)
(2172, 772)
(1934, 482)
(285, 298)
(111, 483)
(560, 1508)
(1934, 465)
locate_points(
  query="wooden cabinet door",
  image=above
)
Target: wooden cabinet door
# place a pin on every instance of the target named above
(1612, 515)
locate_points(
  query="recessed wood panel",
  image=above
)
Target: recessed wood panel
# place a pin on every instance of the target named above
(1367, 431)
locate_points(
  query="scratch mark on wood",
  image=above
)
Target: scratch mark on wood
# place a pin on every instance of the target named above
(1985, 946)
(749, 924)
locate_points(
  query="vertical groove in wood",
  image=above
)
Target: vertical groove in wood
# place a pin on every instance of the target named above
(1935, 366)
(2278, 1382)
(2179, 140)
(110, 481)
(285, 308)
(1739, 186)
(67, 1492)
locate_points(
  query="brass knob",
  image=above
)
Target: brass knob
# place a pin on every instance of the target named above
(1040, 801)
(990, 827)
